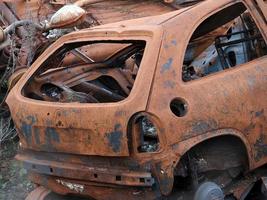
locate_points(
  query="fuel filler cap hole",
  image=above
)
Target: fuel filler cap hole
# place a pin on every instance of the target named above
(179, 107)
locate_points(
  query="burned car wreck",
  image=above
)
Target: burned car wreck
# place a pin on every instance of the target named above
(27, 28)
(135, 109)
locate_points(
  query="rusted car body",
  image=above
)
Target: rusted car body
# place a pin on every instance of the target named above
(131, 115)
(31, 29)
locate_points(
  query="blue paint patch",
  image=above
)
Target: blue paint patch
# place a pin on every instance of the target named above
(36, 132)
(115, 137)
(169, 84)
(31, 119)
(26, 128)
(51, 136)
(27, 132)
(259, 113)
(166, 66)
(174, 42)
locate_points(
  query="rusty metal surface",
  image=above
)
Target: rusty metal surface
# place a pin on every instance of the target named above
(147, 128)
(93, 190)
(39, 193)
(109, 174)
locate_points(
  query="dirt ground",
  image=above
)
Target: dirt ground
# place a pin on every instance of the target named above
(14, 184)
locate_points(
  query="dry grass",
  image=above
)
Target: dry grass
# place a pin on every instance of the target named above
(7, 130)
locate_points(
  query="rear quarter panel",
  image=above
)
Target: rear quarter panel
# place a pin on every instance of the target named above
(234, 99)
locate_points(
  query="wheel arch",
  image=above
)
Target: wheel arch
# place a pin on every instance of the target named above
(185, 146)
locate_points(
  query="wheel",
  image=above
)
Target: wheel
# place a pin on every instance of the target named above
(209, 191)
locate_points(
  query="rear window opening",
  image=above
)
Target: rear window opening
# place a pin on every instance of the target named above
(88, 72)
(225, 40)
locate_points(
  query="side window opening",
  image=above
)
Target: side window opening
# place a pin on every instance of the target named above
(87, 72)
(226, 39)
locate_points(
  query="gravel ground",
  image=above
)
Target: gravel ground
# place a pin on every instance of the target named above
(14, 184)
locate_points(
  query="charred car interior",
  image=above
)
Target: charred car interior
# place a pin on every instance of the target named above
(223, 43)
(167, 104)
(94, 72)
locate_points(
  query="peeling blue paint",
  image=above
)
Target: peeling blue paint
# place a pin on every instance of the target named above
(259, 113)
(51, 136)
(26, 128)
(36, 132)
(31, 119)
(115, 137)
(169, 84)
(27, 132)
(174, 42)
(166, 66)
